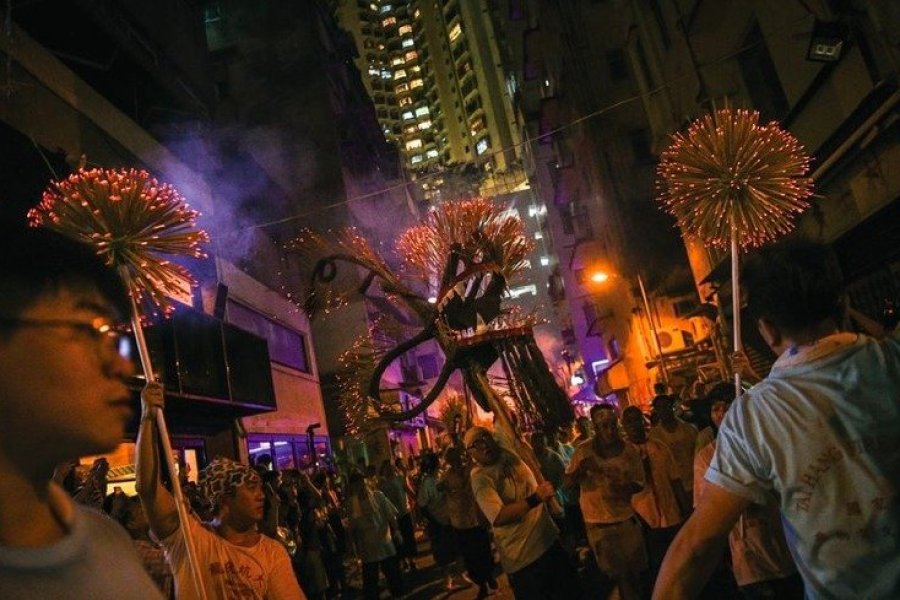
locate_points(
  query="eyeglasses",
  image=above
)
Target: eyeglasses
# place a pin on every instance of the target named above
(100, 329)
(480, 443)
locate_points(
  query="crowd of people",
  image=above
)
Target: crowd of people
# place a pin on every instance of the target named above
(789, 490)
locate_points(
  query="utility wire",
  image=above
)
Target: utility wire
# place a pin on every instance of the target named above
(669, 83)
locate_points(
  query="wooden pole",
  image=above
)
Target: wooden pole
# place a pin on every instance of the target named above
(162, 428)
(736, 304)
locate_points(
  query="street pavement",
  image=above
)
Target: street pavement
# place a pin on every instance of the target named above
(427, 581)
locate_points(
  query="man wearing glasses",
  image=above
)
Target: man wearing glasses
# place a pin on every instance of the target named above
(62, 396)
(515, 505)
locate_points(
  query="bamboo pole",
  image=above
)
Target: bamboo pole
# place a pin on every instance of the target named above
(162, 428)
(736, 305)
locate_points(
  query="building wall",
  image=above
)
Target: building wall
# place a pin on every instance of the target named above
(754, 54)
(589, 159)
(298, 394)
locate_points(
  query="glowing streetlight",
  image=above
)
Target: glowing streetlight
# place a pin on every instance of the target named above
(603, 277)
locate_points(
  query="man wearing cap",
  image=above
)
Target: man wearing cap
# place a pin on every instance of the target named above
(235, 560)
(515, 505)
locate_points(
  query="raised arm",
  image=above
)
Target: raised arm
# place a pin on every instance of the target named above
(159, 505)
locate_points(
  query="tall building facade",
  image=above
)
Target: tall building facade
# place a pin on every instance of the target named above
(828, 72)
(434, 72)
(588, 156)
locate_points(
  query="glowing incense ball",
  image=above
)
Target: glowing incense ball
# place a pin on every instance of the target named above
(728, 170)
(131, 219)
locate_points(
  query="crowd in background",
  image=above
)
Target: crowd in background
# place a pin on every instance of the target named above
(364, 518)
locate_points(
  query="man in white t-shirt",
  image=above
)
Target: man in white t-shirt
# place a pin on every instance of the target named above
(679, 436)
(63, 394)
(515, 506)
(660, 503)
(609, 472)
(235, 559)
(821, 434)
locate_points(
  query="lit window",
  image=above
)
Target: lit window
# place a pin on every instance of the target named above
(399, 74)
(410, 129)
(421, 111)
(482, 146)
(455, 32)
(425, 125)
(374, 72)
(545, 261)
(534, 211)
(415, 68)
(396, 62)
(386, 8)
(412, 55)
(415, 83)
(432, 154)
(407, 43)
(401, 88)
(404, 30)
(373, 6)
(413, 144)
(388, 22)
(416, 14)
(408, 115)
(405, 101)
(522, 290)
(416, 159)
(385, 74)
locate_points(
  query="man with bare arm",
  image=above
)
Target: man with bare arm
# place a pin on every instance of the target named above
(820, 436)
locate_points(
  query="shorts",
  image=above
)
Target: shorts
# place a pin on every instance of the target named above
(619, 548)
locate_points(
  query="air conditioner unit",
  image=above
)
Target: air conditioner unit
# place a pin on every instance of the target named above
(673, 340)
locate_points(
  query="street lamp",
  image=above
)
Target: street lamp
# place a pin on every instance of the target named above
(603, 277)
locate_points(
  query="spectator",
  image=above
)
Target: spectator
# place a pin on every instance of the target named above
(819, 433)
(116, 504)
(233, 557)
(678, 436)
(583, 431)
(760, 559)
(722, 393)
(371, 519)
(467, 522)
(63, 395)
(152, 555)
(93, 491)
(432, 503)
(660, 504)
(515, 506)
(393, 485)
(609, 472)
(553, 467)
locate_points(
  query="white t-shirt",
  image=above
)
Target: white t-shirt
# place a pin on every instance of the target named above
(96, 560)
(681, 443)
(657, 504)
(510, 480)
(601, 501)
(261, 571)
(822, 432)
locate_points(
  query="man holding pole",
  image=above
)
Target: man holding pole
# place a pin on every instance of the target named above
(63, 395)
(234, 559)
(818, 436)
